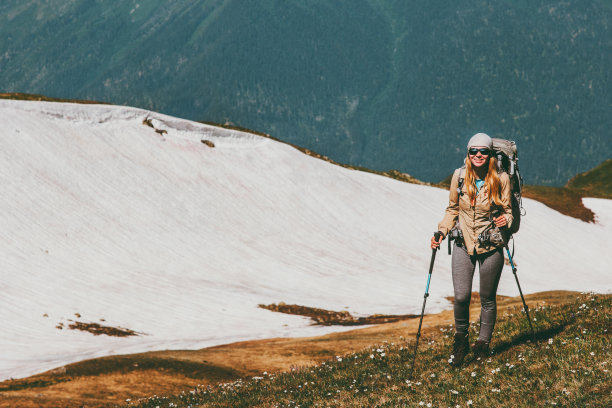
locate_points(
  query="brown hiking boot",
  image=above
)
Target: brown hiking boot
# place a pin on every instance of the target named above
(481, 349)
(461, 348)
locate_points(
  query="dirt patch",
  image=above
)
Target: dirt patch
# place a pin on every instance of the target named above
(148, 122)
(475, 298)
(562, 199)
(324, 317)
(97, 329)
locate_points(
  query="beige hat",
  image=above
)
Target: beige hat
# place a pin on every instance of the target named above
(480, 139)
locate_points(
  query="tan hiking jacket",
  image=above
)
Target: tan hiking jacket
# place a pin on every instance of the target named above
(474, 219)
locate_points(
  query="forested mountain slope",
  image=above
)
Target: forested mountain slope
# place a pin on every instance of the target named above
(385, 84)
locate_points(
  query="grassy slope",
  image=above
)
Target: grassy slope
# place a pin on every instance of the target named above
(115, 379)
(567, 365)
(594, 183)
(568, 200)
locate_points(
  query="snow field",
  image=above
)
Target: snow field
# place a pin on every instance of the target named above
(161, 234)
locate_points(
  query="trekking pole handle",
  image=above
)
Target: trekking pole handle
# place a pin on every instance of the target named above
(437, 236)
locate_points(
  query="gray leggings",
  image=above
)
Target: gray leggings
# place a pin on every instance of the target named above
(490, 268)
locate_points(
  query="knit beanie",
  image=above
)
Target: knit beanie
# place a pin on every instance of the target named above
(480, 139)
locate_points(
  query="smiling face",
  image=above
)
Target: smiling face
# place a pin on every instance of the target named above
(479, 155)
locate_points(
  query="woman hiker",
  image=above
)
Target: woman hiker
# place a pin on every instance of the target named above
(484, 193)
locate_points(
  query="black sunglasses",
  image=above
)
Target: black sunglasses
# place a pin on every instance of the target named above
(484, 151)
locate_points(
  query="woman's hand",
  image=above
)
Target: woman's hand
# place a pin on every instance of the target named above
(435, 244)
(500, 221)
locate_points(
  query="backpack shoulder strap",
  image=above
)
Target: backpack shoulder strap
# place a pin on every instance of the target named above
(461, 180)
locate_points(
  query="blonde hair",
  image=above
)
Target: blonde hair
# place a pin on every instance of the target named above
(491, 181)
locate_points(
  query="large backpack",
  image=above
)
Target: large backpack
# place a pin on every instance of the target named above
(507, 162)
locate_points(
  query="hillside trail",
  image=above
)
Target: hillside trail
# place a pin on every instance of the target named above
(117, 379)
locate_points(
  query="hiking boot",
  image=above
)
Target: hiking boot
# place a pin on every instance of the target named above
(481, 349)
(461, 348)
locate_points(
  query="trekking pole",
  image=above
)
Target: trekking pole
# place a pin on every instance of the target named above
(520, 291)
(496, 214)
(431, 264)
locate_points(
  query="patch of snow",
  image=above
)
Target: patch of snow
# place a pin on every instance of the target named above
(602, 209)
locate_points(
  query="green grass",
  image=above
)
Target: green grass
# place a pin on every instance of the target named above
(596, 182)
(566, 364)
